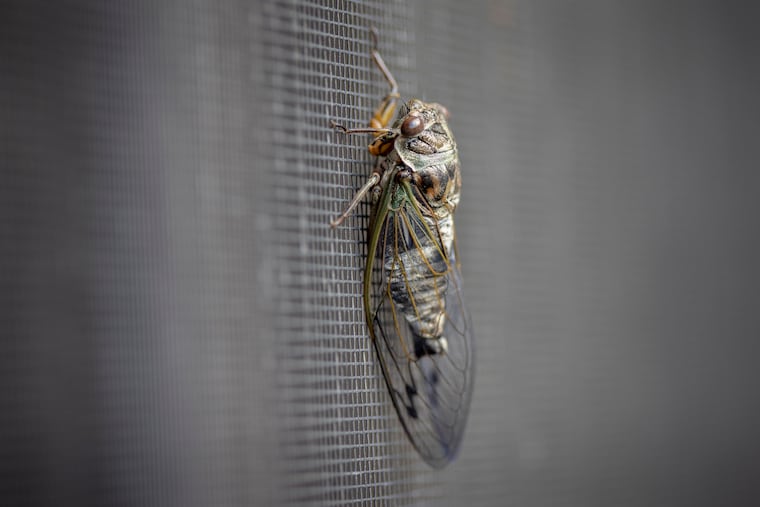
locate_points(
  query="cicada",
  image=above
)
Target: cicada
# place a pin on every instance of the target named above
(413, 299)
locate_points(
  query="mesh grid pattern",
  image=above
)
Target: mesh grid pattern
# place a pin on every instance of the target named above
(180, 326)
(341, 440)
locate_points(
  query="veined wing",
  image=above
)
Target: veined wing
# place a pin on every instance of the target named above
(420, 327)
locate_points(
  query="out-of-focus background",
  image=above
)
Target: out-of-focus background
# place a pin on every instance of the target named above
(180, 326)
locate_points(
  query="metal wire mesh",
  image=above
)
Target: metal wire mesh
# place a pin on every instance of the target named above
(182, 327)
(340, 440)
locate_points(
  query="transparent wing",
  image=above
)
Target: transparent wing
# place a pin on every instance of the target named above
(422, 331)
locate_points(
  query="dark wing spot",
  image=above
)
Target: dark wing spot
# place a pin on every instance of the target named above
(411, 394)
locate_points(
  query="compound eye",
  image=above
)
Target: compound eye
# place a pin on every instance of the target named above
(413, 125)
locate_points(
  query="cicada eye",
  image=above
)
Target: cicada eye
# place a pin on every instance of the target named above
(413, 125)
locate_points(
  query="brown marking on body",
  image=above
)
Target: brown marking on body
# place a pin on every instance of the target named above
(429, 184)
(382, 145)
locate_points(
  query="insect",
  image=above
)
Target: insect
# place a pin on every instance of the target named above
(413, 300)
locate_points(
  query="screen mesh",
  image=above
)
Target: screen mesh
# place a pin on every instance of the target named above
(181, 326)
(340, 440)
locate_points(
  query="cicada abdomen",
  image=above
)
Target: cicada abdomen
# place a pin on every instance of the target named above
(413, 299)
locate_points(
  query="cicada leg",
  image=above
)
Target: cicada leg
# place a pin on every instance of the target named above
(371, 182)
(383, 115)
(378, 125)
(384, 112)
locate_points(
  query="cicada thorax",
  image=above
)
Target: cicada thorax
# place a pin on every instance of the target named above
(427, 147)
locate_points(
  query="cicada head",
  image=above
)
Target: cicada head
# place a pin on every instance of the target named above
(423, 133)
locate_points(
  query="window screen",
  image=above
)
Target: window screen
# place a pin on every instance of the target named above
(181, 326)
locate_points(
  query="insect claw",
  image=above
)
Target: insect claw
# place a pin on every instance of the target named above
(338, 126)
(337, 221)
(375, 37)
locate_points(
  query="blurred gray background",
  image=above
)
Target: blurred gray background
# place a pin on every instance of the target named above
(181, 327)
